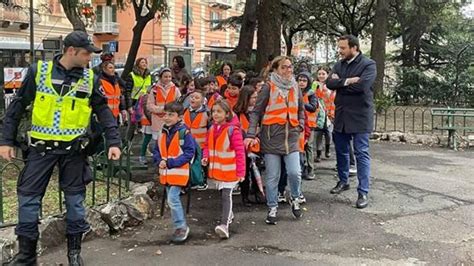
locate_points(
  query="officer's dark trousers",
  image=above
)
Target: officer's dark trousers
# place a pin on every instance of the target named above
(74, 175)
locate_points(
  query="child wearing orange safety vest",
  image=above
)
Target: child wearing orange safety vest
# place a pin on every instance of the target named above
(196, 118)
(173, 155)
(245, 104)
(232, 89)
(310, 105)
(224, 154)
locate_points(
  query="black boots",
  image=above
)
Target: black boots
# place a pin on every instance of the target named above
(74, 250)
(27, 252)
(328, 151)
(318, 157)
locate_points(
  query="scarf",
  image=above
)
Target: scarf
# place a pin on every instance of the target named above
(283, 85)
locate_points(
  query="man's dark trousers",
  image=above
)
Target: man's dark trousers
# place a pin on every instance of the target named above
(74, 175)
(361, 150)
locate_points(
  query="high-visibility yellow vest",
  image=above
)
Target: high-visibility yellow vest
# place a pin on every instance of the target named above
(56, 117)
(140, 85)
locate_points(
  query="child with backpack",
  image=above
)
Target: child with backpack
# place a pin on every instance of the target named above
(224, 153)
(173, 155)
(245, 104)
(196, 118)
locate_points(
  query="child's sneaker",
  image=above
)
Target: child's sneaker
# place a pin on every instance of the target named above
(272, 216)
(236, 191)
(282, 197)
(222, 231)
(180, 235)
(201, 187)
(295, 208)
(302, 199)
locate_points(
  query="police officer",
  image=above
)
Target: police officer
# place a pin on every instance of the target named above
(64, 94)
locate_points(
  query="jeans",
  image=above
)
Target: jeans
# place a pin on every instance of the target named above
(174, 202)
(361, 150)
(272, 177)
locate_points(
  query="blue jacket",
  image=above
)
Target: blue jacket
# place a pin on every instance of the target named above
(188, 147)
(354, 103)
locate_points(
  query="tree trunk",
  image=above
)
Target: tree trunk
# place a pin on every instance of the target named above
(269, 31)
(379, 37)
(288, 36)
(247, 32)
(134, 46)
(72, 14)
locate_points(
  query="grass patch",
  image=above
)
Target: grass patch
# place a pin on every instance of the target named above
(52, 203)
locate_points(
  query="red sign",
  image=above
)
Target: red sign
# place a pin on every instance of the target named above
(182, 31)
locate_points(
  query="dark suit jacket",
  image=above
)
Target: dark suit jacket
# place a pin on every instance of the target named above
(354, 103)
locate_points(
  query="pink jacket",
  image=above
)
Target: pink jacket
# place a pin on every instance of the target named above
(236, 143)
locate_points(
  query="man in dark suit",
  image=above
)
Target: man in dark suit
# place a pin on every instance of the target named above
(352, 77)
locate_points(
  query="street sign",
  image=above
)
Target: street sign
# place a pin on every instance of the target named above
(113, 46)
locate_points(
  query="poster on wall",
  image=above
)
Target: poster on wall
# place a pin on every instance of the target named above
(13, 77)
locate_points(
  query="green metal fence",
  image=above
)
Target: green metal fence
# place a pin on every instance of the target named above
(417, 120)
(111, 181)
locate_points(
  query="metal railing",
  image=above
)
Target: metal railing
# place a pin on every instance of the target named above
(107, 27)
(417, 120)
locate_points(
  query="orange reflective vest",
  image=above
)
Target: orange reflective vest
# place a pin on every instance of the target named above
(198, 126)
(245, 125)
(212, 100)
(311, 117)
(280, 110)
(178, 176)
(221, 81)
(161, 100)
(222, 159)
(301, 142)
(112, 93)
(328, 98)
(330, 106)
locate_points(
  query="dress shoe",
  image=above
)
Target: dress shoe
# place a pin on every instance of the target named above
(362, 201)
(339, 188)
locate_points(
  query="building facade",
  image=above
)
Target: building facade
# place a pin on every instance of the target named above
(49, 21)
(165, 37)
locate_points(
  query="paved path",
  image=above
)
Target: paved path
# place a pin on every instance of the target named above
(421, 212)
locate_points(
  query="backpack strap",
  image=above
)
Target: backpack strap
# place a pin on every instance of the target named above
(230, 130)
(182, 134)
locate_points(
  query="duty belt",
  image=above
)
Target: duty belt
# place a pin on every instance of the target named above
(48, 145)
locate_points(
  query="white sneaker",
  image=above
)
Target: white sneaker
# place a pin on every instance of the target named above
(352, 170)
(222, 231)
(302, 199)
(282, 197)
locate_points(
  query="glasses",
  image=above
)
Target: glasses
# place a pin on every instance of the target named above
(285, 67)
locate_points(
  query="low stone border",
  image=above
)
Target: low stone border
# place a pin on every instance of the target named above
(104, 220)
(430, 140)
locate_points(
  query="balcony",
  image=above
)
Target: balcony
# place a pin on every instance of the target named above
(107, 28)
(224, 4)
(16, 15)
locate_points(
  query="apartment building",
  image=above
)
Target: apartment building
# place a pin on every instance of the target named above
(113, 25)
